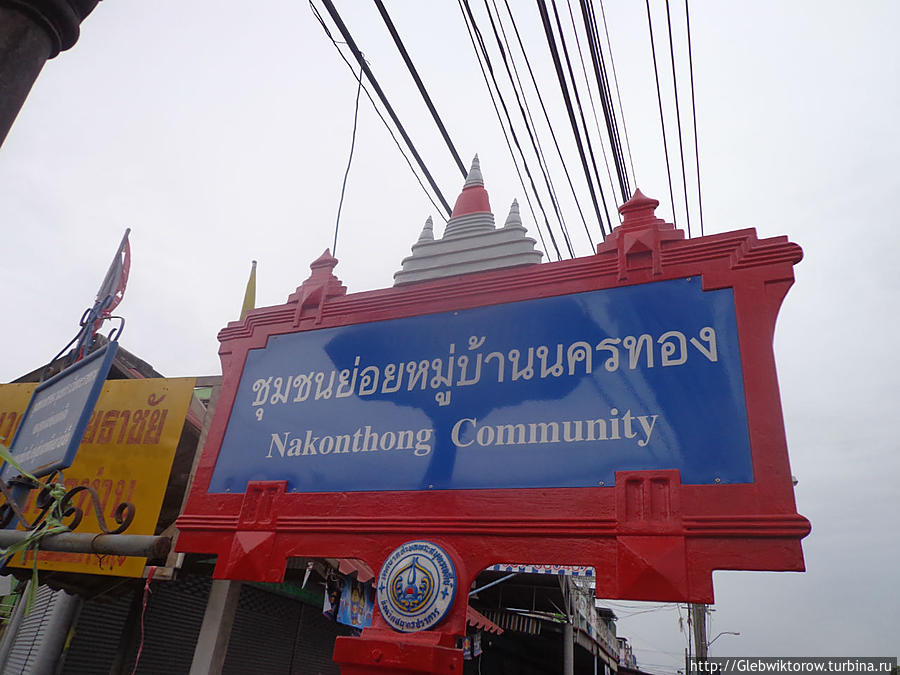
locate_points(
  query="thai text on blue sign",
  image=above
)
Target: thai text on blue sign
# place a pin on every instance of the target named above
(552, 392)
(57, 414)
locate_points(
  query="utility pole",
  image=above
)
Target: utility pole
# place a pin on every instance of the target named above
(698, 620)
(31, 32)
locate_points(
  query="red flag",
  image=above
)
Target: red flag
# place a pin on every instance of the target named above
(113, 286)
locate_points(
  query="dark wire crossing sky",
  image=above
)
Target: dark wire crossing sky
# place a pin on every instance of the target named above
(574, 37)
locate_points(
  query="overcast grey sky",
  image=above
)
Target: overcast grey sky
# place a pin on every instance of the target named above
(219, 132)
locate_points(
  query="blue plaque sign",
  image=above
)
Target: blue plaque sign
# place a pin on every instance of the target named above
(546, 393)
(57, 414)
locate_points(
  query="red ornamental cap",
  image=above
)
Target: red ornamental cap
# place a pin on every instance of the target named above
(473, 198)
(639, 211)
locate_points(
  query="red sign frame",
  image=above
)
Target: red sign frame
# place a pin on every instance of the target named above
(649, 537)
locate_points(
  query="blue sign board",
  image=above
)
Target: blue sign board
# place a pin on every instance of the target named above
(553, 392)
(57, 414)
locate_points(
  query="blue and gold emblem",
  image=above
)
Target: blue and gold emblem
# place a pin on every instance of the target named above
(412, 586)
(416, 586)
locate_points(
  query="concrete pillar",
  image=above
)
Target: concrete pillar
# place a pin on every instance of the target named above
(32, 31)
(212, 643)
(568, 649)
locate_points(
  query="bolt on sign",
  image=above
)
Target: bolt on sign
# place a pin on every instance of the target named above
(619, 411)
(125, 455)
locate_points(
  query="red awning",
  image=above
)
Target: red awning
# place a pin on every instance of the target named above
(348, 566)
(478, 620)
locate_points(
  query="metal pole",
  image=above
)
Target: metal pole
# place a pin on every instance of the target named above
(493, 583)
(110, 544)
(65, 610)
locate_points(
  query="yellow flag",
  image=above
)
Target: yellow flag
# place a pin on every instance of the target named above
(250, 293)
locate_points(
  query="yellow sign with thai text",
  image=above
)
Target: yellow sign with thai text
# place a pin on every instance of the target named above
(125, 455)
(13, 401)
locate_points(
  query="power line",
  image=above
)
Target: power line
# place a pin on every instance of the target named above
(687, 209)
(544, 109)
(512, 155)
(422, 90)
(609, 112)
(365, 67)
(687, 16)
(661, 120)
(512, 130)
(612, 62)
(551, 41)
(593, 106)
(473, 33)
(587, 137)
(642, 611)
(337, 220)
(506, 138)
(542, 160)
(377, 111)
(525, 117)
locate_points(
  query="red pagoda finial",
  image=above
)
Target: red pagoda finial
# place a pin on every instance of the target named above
(640, 232)
(639, 211)
(324, 261)
(321, 285)
(473, 198)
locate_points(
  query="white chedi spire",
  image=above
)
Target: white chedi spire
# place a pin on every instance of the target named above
(474, 176)
(427, 231)
(514, 219)
(470, 241)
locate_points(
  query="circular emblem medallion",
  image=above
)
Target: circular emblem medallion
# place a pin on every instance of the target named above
(416, 586)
